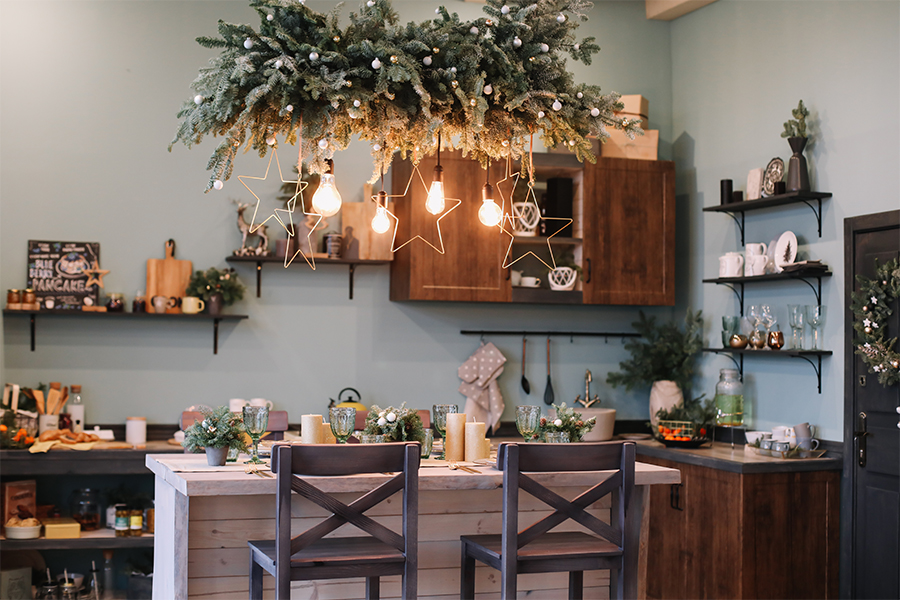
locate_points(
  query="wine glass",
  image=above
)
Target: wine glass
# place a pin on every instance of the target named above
(256, 420)
(342, 419)
(440, 412)
(755, 316)
(815, 316)
(528, 420)
(797, 314)
(767, 318)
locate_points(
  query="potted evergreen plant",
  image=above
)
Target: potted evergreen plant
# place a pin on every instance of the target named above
(216, 287)
(219, 431)
(795, 132)
(663, 357)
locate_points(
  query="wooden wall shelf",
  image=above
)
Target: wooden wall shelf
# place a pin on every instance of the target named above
(260, 260)
(216, 319)
(805, 276)
(102, 539)
(807, 198)
(813, 357)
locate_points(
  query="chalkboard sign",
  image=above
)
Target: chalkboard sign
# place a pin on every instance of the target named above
(56, 273)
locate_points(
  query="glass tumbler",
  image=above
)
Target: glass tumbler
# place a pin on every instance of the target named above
(427, 443)
(528, 420)
(342, 420)
(557, 437)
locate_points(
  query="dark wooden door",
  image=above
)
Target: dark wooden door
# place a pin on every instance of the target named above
(874, 487)
(629, 232)
(471, 267)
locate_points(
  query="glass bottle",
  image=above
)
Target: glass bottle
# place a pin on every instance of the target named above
(123, 521)
(86, 508)
(109, 575)
(76, 410)
(729, 399)
(136, 522)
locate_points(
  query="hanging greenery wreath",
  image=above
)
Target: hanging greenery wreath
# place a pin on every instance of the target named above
(870, 315)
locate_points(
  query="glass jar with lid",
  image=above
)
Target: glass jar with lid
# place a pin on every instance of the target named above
(115, 302)
(729, 399)
(86, 508)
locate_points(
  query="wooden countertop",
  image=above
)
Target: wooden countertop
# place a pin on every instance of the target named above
(238, 483)
(736, 459)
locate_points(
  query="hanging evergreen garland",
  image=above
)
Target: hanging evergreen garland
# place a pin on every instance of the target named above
(870, 315)
(490, 83)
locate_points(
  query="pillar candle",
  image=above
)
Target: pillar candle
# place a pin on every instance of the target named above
(455, 442)
(311, 429)
(327, 434)
(486, 449)
(474, 441)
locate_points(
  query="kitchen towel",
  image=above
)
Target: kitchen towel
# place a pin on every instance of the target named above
(479, 385)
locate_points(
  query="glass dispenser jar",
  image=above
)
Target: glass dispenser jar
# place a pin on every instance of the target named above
(729, 399)
(86, 508)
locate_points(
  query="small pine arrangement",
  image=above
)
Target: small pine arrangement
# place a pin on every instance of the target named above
(695, 411)
(664, 352)
(568, 421)
(395, 424)
(796, 128)
(220, 428)
(204, 284)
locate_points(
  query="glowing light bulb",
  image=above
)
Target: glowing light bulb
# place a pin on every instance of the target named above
(380, 222)
(489, 213)
(327, 200)
(435, 201)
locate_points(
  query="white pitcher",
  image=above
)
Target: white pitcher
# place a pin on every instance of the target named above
(731, 264)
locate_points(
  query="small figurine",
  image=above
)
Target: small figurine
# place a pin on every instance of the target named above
(261, 231)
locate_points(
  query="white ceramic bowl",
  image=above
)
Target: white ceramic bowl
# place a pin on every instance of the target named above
(753, 436)
(23, 533)
(603, 429)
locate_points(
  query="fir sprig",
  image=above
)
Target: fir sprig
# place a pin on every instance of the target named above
(204, 284)
(395, 424)
(220, 428)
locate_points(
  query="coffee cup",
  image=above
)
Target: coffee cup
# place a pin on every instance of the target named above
(191, 305)
(531, 282)
(755, 249)
(803, 430)
(261, 403)
(755, 264)
(731, 264)
(236, 404)
(516, 278)
(159, 304)
(807, 443)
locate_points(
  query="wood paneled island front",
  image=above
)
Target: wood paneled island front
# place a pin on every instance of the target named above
(204, 519)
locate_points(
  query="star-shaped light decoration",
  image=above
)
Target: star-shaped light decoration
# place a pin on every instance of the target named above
(95, 274)
(511, 218)
(453, 202)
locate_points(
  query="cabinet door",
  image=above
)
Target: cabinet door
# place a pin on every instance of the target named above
(668, 547)
(471, 267)
(629, 232)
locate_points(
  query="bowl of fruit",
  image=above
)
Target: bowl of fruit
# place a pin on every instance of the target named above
(681, 434)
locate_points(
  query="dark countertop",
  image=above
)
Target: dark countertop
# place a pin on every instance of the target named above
(723, 457)
(88, 462)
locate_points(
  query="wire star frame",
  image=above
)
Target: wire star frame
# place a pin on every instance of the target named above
(95, 274)
(394, 247)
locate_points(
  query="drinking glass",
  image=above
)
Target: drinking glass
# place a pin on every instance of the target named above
(557, 437)
(368, 438)
(815, 316)
(256, 420)
(730, 326)
(427, 443)
(767, 317)
(342, 419)
(757, 338)
(528, 419)
(797, 317)
(440, 412)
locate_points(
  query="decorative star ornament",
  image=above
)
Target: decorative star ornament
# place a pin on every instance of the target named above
(301, 185)
(95, 274)
(561, 223)
(439, 248)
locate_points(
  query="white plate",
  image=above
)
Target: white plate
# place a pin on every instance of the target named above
(785, 250)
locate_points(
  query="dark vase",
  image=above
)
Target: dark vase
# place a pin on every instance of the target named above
(798, 174)
(215, 303)
(215, 457)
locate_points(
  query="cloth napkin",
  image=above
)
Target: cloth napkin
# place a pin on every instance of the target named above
(45, 446)
(479, 384)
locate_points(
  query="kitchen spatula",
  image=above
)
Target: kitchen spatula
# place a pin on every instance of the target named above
(525, 385)
(549, 397)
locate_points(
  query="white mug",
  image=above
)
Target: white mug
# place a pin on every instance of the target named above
(754, 249)
(191, 305)
(261, 402)
(236, 405)
(531, 282)
(516, 278)
(755, 264)
(731, 264)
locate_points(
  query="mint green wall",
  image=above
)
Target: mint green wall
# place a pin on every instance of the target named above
(738, 68)
(89, 95)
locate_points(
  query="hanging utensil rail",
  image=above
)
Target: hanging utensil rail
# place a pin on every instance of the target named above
(568, 334)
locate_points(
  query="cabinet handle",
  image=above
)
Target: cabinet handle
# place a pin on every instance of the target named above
(587, 279)
(675, 496)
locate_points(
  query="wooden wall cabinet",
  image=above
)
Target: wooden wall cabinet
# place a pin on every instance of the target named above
(723, 534)
(623, 234)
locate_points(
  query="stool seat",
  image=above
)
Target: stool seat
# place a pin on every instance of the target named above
(568, 546)
(338, 552)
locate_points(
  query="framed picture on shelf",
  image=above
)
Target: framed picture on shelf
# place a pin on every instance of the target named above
(56, 273)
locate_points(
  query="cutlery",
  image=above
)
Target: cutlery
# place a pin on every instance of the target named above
(454, 466)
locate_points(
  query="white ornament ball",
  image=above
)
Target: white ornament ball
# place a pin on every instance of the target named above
(561, 18)
(270, 17)
(248, 43)
(391, 417)
(474, 30)
(270, 140)
(504, 10)
(278, 64)
(504, 143)
(376, 64)
(437, 11)
(427, 61)
(453, 70)
(323, 143)
(370, 3)
(356, 103)
(571, 142)
(488, 89)
(313, 56)
(595, 112)
(558, 422)
(198, 99)
(579, 95)
(545, 48)
(540, 114)
(382, 421)
(577, 47)
(376, 147)
(557, 105)
(289, 108)
(217, 184)
(517, 42)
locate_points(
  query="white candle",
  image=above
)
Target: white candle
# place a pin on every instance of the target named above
(311, 429)
(455, 442)
(474, 441)
(327, 434)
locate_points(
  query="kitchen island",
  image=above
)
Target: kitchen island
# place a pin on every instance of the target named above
(205, 517)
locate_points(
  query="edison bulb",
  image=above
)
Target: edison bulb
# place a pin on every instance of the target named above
(489, 213)
(327, 200)
(435, 202)
(380, 222)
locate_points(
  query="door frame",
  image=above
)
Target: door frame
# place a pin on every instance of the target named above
(852, 227)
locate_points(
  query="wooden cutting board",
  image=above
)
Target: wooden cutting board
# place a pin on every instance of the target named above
(360, 242)
(167, 277)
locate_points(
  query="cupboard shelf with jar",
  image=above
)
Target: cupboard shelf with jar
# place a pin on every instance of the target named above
(618, 204)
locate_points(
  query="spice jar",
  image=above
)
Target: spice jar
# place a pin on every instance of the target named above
(29, 300)
(123, 521)
(136, 522)
(115, 303)
(13, 300)
(729, 399)
(86, 508)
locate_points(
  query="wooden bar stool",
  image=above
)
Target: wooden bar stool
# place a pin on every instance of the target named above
(534, 550)
(312, 556)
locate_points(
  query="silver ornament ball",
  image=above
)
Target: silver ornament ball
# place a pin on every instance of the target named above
(453, 70)
(557, 105)
(595, 112)
(579, 95)
(561, 18)
(248, 43)
(370, 3)
(504, 10)
(323, 143)
(427, 61)
(313, 56)
(545, 48)
(356, 103)
(217, 184)
(270, 17)
(517, 42)
(376, 64)
(198, 99)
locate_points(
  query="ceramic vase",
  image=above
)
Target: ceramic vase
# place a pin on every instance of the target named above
(664, 395)
(798, 174)
(563, 278)
(215, 303)
(215, 457)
